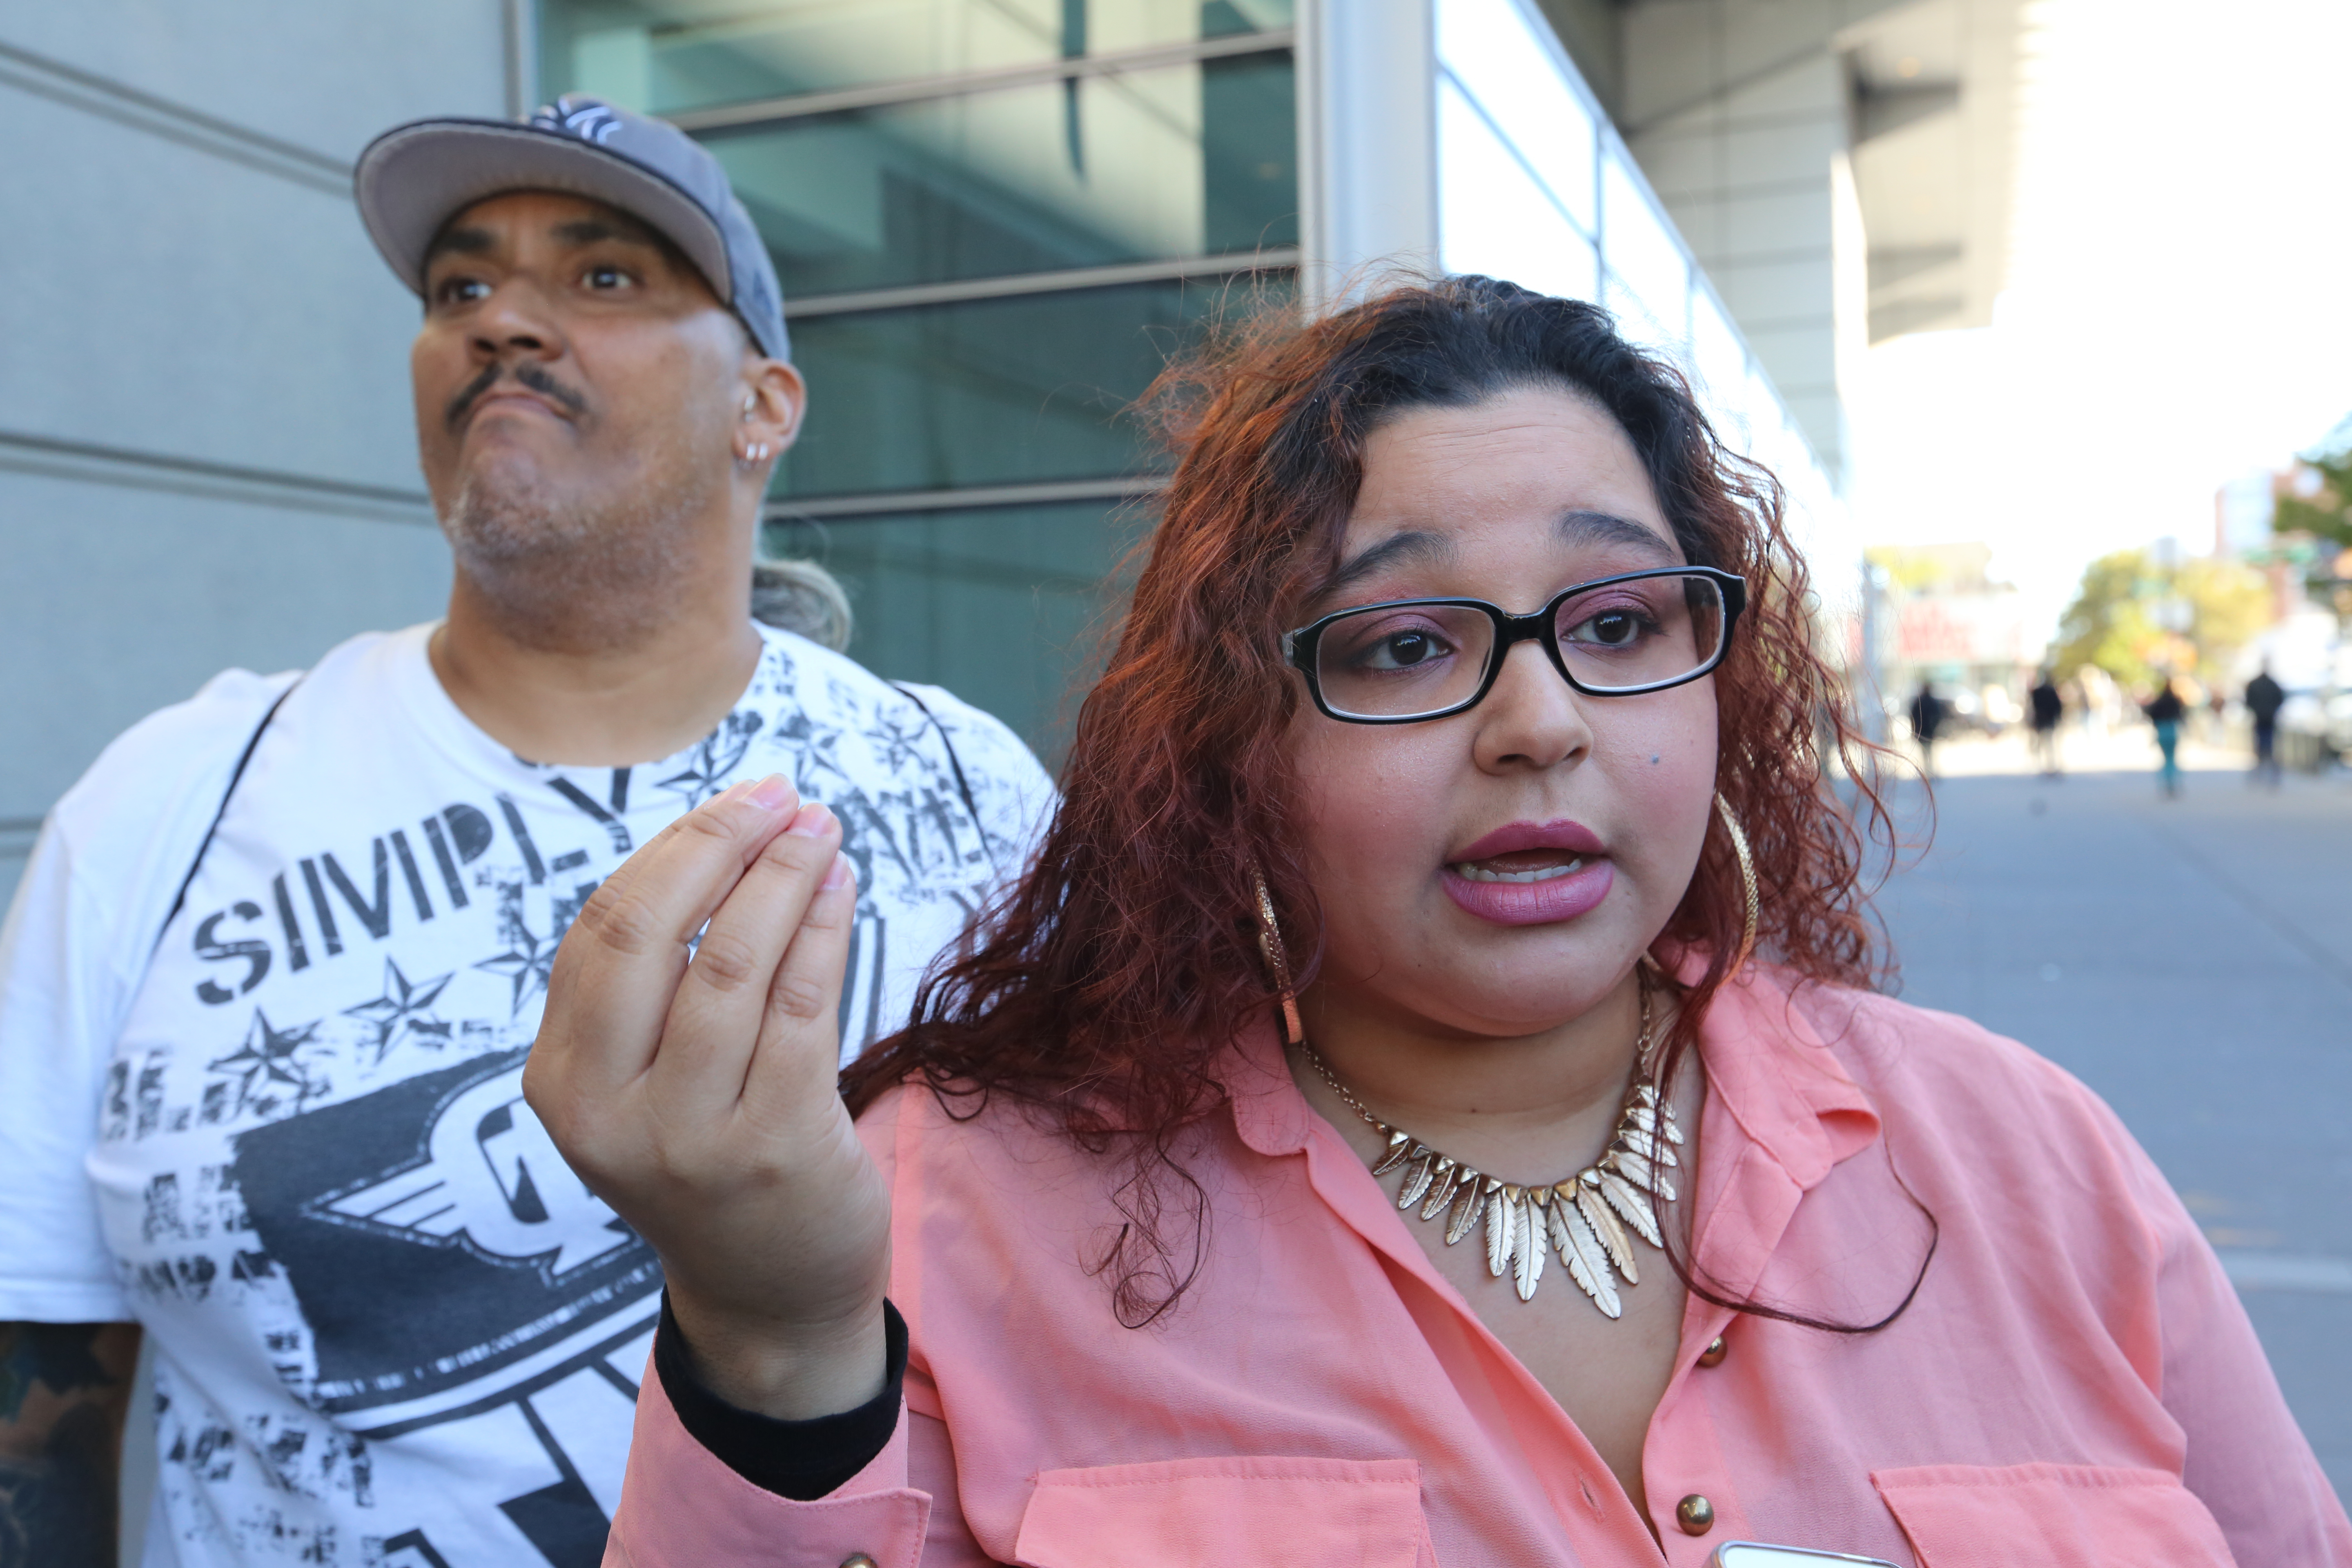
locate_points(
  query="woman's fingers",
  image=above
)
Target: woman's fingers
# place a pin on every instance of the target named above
(797, 1066)
(714, 1023)
(619, 965)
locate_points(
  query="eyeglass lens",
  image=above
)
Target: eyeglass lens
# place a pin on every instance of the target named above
(1397, 661)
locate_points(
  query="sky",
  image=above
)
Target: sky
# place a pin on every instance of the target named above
(2178, 310)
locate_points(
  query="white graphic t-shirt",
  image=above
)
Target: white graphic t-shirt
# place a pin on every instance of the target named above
(392, 1330)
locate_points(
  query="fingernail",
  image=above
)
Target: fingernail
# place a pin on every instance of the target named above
(837, 874)
(731, 793)
(771, 792)
(809, 822)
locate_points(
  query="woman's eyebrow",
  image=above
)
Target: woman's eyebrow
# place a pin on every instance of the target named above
(1583, 527)
(1415, 546)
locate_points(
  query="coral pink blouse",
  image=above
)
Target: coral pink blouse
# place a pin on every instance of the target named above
(2076, 1383)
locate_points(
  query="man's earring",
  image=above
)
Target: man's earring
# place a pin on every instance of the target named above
(1277, 962)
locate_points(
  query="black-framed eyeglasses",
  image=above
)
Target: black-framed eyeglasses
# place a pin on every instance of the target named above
(1411, 659)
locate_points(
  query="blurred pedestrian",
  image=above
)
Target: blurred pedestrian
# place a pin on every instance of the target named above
(2165, 711)
(2265, 698)
(1926, 719)
(269, 981)
(2049, 707)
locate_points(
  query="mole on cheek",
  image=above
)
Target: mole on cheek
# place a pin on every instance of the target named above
(1654, 762)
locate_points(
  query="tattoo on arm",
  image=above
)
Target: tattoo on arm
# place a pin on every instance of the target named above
(64, 1391)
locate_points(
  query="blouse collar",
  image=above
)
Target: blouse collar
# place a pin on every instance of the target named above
(1766, 1064)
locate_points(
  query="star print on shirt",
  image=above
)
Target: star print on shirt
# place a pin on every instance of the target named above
(529, 956)
(715, 756)
(267, 1059)
(901, 740)
(401, 1011)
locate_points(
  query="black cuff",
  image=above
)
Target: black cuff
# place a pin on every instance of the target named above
(803, 1461)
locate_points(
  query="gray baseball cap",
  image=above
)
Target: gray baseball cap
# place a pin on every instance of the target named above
(414, 178)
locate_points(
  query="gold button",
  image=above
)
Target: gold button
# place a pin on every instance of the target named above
(1715, 1352)
(858, 1559)
(1694, 1514)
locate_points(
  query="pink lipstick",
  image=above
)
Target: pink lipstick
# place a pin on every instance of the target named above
(1530, 873)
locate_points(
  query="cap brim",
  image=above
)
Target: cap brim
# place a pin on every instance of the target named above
(412, 181)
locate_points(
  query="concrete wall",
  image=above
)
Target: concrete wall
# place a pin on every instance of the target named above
(206, 453)
(1736, 111)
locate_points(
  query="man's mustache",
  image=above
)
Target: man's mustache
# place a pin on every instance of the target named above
(529, 374)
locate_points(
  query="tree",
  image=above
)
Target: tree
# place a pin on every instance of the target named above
(2119, 619)
(2229, 603)
(2108, 623)
(2327, 512)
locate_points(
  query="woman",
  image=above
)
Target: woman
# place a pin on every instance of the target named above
(2165, 711)
(1387, 1125)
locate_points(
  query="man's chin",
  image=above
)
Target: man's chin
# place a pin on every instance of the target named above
(508, 512)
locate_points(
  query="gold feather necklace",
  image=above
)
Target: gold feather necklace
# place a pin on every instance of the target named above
(1584, 1219)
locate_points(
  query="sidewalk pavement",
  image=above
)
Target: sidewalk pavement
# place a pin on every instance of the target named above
(2130, 749)
(2191, 961)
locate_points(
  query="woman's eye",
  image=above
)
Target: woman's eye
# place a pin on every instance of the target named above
(1609, 628)
(1403, 651)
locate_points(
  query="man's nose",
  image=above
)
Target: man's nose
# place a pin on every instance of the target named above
(515, 322)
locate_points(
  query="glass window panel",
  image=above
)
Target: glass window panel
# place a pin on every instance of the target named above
(1144, 167)
(1766, 420)
(667, 57)
(1492, 217)
(1637, 324)
(1640, 249)
(1719, 358)
(1496, 55)
(984, 392)
(1002, 606)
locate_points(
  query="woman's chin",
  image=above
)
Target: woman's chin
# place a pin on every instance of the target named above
(1542, 987)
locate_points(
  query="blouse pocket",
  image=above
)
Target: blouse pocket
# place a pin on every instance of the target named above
(2028, 1516)
(1302, 1513)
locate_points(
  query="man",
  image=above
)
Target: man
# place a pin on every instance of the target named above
(2265, 698)
(2049, 707)
(265, 991)
(1926, 718)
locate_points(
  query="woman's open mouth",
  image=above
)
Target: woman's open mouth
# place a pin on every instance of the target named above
(1530, 874)
(1477, 872)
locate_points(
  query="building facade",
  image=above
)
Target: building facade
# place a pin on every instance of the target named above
(994, 219)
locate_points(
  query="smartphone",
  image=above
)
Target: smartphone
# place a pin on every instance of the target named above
(1755, 1555)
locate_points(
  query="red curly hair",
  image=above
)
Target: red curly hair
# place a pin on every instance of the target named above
(1101, 987)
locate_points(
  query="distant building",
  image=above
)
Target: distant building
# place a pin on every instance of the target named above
(1957, 628)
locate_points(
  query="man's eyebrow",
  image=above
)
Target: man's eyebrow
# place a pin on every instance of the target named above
(1583, 527)
(580, 231)
(1413, 545)
(463, 241)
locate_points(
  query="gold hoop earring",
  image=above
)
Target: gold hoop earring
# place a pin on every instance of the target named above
(1277, 961)
(1747, 881)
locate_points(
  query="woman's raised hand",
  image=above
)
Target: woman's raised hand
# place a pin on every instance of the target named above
(691, 1085)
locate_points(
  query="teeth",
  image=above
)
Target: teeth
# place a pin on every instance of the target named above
(1471, 873)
